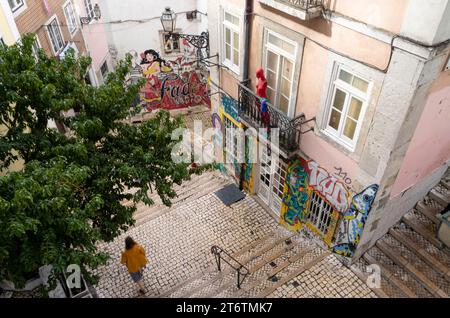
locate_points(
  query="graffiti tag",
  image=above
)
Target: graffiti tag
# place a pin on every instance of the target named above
(333, 190)
(342, 175)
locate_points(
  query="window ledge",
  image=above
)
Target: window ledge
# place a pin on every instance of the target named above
(337, 143)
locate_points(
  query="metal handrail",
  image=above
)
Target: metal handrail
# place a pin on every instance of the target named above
(241, 270)
(304, 4)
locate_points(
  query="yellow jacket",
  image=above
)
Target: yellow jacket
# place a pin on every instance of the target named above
(134, 258)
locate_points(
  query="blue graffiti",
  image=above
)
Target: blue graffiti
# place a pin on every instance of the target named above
(355, 218)
(230, 106)
(297, 196)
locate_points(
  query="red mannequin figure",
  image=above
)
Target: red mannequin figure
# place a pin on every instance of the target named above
(261, 89)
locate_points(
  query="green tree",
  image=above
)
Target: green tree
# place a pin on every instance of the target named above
(68, 196)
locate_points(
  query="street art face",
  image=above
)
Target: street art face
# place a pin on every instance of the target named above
(172, 84)
(350, 230)
(307, 176)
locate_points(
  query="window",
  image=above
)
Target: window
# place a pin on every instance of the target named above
(54, 33)
(280, 62)
(232, 142)
(171, 44)
(347, 107)
(319, 213)
(15, 4)
(104, 70)
(36, 47)
(89, 9)
(70, 17)
(231, 39)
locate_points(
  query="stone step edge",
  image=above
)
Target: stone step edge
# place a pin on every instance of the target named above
(395, 281)
(269, 290)
(259, 265)
(151, 217)
(422, 230)
(428, 212)
(214, 267)
(402, 262)
(421, 253)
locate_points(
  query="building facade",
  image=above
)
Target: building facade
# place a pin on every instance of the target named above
(54, 22)
(360, 92)
(9, 34)
(135, 25)
(95, 39)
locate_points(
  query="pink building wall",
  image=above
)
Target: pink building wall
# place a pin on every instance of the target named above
(430, 146)
(94, 37)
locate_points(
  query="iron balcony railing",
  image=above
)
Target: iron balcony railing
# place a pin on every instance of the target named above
(289, 129)
(304, 4)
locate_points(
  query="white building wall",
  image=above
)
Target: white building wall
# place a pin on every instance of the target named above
(134, 25)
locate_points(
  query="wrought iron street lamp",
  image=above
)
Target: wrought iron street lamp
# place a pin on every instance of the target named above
(169, 20)
(97, 15)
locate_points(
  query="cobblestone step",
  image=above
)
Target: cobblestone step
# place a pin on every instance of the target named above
(395, 281)
(291, 274)
(253, 263)
(425, 256)
(441, 255)
(423, 274)
(440, 195)
(446, 183)
(429, 208)
(267, 272)
(201, 281)
(423, 226)
(399, 272)
(386, 290)
(156, 211)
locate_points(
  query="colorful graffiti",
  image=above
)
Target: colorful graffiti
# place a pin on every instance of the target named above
(304, 177)
(333, 190)
(295, 197)
(248, 166)
(173, 84)
(230, 106)
(354, 220)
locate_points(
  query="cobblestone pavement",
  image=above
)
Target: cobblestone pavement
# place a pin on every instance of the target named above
(178, 245)
(327, 279)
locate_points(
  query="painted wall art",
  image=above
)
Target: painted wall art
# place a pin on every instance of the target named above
(349, 212)
(173, 84)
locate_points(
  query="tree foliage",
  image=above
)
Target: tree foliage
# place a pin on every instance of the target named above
(68, 196)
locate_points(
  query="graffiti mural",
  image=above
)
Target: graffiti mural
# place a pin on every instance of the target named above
(333, 190)
(248, 166)
(230, 106)
(354, 220)
(349, 212)
(173, 84)
(295, 197)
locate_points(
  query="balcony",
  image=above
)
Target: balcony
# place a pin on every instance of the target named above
(302, 9)
(289, 129)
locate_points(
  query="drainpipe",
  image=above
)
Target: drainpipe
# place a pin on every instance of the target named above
(247, 14)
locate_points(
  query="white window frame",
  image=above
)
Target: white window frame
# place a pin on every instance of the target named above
(39, 46)
(18, 9)
(72, 28)
(89, 13)
(233, 29)
(291, 57)
(47, 24)
(350, 92)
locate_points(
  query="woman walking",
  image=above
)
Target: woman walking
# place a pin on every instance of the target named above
(135, 260)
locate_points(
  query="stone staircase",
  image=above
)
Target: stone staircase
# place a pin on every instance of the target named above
(414, 263)
(198, 186)
(272, 261)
